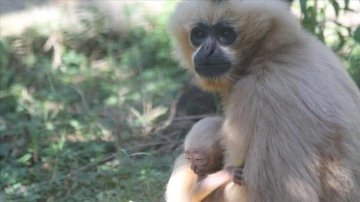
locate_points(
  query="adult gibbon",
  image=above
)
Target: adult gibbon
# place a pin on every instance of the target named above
(198, 172)
(292, 112)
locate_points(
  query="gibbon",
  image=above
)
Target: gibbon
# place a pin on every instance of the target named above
(292, 112)
(202, 157)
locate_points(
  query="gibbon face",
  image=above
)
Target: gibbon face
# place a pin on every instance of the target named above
(217, 40)
(210, 60)
(205, 161)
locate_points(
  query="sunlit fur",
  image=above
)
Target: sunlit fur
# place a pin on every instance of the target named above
(292, 113)
(181, 182)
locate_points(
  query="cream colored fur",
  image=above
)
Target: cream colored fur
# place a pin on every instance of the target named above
(292, 112)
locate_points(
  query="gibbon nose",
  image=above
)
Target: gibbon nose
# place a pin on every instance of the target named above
(209, 47)
(193, 167)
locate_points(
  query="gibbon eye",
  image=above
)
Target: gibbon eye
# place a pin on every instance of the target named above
(226, 35)
(200, 159)
(198, 35)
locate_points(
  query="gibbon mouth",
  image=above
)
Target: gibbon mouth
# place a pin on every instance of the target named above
(212, 71)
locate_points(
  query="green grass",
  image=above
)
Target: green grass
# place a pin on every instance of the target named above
(80, 130)
(88, 128)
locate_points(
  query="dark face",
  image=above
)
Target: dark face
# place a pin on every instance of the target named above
(203, 164)
(210, 60)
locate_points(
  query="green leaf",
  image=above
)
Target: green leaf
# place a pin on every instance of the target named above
(357, 35)
(25, 158)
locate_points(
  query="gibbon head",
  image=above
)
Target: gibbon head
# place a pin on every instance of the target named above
(219, 40)
(202, 146)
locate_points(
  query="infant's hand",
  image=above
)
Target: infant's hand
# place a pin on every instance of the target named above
(237, 174)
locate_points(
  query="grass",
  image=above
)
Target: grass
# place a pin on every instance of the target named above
(77, 116)
(82, 110)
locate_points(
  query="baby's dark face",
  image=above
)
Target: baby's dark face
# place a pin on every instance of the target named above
(203, 163)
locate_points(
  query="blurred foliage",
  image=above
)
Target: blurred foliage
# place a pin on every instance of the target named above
(73, 98)
(343, 39)
(79, 107)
